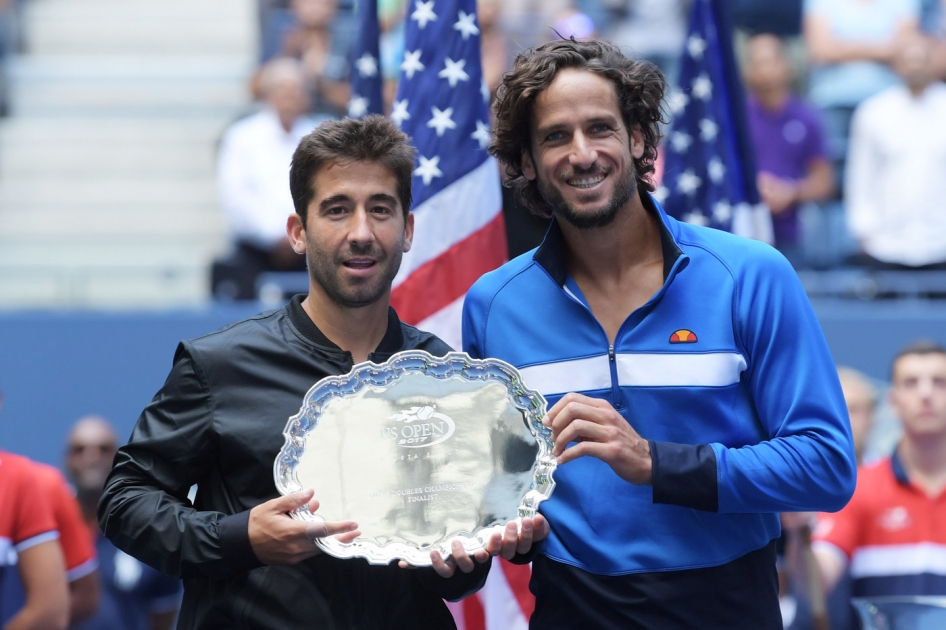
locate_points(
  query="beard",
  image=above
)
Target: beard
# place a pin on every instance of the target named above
(354, 292)
(624, 189)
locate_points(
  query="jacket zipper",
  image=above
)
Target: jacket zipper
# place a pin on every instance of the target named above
(615, 389)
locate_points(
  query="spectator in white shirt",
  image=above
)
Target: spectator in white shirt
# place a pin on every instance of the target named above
(253, 180)
(895, 184)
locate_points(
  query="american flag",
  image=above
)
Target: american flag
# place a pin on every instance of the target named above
(366, 64)
(709, 170)
(442, 102)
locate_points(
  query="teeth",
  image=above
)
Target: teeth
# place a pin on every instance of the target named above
(586, 182)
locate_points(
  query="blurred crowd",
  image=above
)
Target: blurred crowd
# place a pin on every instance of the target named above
(824, 79)
(57, 570)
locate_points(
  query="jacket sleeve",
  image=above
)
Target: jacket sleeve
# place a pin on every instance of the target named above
(144, 508)
(805, 461)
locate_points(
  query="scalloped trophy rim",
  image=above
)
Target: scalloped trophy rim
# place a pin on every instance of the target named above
(407, 362)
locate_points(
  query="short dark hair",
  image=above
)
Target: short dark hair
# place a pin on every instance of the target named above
(640, 90)
(921, 347)
(370, 139)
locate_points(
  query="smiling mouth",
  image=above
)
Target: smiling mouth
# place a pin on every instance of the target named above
(359, 263)
(586, 181)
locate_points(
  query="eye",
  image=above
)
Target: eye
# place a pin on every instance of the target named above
(554, 136)
(385, 210)
(600, 128)
(335, 210)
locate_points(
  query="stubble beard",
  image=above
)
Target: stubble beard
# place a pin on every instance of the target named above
(624, 189)
(357, 292)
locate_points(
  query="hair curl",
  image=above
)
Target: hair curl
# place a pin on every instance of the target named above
(640, 90)
(373, 138)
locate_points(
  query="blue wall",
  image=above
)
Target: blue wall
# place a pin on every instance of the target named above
(56, 367)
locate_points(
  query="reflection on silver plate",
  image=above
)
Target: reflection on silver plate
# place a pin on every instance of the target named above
(419, 451)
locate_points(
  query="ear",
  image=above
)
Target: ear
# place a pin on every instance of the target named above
(637, 143)
(528, 167)
(296, 233)
(408, 232)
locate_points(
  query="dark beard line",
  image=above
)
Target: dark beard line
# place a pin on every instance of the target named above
(625, 188)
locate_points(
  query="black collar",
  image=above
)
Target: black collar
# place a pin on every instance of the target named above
(392, 341)
(550, 252)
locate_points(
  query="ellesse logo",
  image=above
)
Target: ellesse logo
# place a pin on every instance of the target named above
(683, 336)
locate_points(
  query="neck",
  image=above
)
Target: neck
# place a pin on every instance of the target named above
(772, 99)
(358, 330)
(916, 90)
(286, 122)
(608, 252)
(924, 458)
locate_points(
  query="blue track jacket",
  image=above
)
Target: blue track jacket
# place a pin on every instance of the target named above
(725, 370)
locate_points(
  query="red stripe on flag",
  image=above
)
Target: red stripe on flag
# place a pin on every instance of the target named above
(517, 576)
(440, 281)
(474, 617)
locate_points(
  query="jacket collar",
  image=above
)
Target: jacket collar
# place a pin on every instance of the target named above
(392, 342)
(550, 254)
(899, 472)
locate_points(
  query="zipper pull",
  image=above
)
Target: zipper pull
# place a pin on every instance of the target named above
(611, 352)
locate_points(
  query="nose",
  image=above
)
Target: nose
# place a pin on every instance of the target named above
(583, 153)
(925, 387)
(360, 227)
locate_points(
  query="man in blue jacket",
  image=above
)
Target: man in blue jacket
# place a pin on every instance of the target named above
(693, 393)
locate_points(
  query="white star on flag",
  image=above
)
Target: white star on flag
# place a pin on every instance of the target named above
(716, 169)
(428, 169)
(688, 182)
(453, 71)
(680, 141)
(677, 101)
(465, 25)
(722, 211)
(481, 134)
(367, 65)
(708, 130)
(661, 194)
(357, 106)
(399, 112)
(695, 46)
(696, 218)
(411, 63)
(702, 87)
(441, 120)
(423, 13)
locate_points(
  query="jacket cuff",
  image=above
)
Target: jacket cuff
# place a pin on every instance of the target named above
(685, 475)
(234, 530)
(456, 587)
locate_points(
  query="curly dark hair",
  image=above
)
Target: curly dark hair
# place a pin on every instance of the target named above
(373, 138)
(640, 90)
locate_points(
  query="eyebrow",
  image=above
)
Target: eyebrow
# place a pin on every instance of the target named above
(337, 199)
(604, 118)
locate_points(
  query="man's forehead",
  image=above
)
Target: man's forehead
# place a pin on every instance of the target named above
(920, 364)
(353, 179)
(92, 430)
(576, 93)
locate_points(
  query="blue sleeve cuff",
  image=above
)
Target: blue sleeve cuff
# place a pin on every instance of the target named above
(685, 475)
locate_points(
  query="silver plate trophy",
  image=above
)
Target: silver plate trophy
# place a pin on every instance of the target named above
(419, 451)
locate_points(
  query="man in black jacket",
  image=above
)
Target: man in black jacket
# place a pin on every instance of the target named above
(218, 421)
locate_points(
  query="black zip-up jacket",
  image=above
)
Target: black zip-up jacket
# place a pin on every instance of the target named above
(217, 422)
